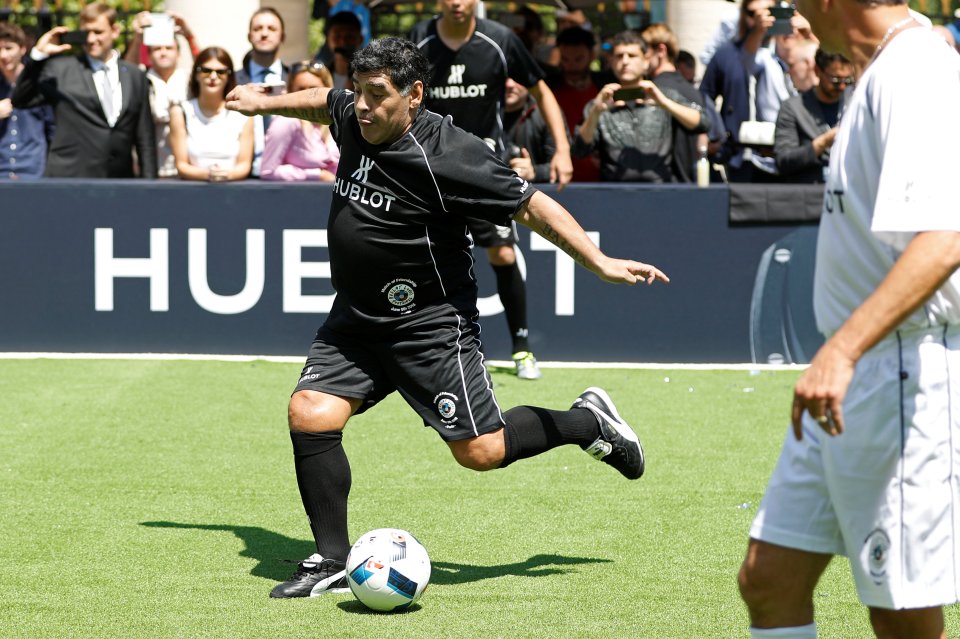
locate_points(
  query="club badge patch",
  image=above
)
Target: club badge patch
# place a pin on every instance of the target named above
(875, 554)
(446, 404)
(400, 294)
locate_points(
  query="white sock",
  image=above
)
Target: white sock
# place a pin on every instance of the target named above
(796, 632)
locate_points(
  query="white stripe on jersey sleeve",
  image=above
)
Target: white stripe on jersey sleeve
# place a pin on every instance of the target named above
(429, 168)
(433, 260)
(503, 57)
(347, 105)
(425, 40)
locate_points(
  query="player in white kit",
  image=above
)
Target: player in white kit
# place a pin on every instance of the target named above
(871, 468)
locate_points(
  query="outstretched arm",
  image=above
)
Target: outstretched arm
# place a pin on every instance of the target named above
(545, 216)
(306, 105)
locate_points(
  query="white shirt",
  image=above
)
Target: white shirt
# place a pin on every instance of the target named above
(893, 174)
(106, 78)
(274, 72)
(214, 140)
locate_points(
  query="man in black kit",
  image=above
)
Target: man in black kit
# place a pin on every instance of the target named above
(405, 313)
(470, 61)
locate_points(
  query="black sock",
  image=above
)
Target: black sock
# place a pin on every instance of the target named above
(323, 475)
(530, 431)
(513, 295)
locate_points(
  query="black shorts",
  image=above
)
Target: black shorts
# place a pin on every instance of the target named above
(487, 234)
(436, 366)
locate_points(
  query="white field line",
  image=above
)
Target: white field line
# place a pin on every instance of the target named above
(494, 363)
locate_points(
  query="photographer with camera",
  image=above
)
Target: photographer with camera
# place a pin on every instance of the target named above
(156, 36)
(101, 103)
(630, 122)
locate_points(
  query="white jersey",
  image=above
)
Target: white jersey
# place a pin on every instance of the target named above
(892, 175)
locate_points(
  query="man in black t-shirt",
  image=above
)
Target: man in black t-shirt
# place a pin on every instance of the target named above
(662, 50)
(470, 61)
(405, 313)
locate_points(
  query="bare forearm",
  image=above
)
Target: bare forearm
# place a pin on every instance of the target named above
(688, 117)
(546, 217)
(921, 270)
(588, 130)
(552, 115)
(306, 105)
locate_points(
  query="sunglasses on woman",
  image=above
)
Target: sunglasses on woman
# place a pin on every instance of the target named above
(305, 65)
(207, 71)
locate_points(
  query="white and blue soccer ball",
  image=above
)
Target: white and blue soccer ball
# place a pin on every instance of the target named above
(388, 569)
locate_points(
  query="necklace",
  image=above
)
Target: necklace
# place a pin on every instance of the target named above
(889, 34)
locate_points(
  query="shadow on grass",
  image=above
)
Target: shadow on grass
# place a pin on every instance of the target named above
(271, 549)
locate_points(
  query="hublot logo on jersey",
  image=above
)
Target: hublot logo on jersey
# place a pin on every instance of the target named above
(452, 92)
(362, 193)
(363, 172)
(456, 73)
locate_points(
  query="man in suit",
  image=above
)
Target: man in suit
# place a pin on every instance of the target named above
(262, 65)
(807, 123)
(101, 103)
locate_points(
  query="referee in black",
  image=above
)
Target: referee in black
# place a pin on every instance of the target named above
(405, 313)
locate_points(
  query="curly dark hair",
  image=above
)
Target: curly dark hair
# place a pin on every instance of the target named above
(396, 57)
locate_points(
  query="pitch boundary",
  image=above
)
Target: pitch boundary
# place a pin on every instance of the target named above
(493, 363)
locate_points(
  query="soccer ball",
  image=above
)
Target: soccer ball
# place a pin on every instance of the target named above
(388, 569)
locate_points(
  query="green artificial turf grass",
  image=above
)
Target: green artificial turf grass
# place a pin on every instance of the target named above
(157, 499)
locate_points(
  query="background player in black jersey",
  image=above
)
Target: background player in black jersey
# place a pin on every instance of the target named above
(405, 313)
(470, 60)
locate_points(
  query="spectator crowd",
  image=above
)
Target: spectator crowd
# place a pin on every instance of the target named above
(579, 106)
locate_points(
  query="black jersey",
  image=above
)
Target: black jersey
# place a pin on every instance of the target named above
(468, 84)
(397, 235)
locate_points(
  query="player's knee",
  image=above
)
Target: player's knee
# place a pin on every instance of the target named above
(477, 454)
(502, 255)
(756, 587)
(310, 415)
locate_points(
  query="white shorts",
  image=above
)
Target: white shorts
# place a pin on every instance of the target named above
(885, 493)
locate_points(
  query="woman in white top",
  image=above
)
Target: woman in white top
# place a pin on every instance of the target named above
(209, 142)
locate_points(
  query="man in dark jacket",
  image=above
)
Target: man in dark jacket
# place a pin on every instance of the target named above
(529, 144)
(101, 102)
(807, 123)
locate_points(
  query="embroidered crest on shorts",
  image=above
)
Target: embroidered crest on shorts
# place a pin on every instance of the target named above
(874, 555)
(446, 404)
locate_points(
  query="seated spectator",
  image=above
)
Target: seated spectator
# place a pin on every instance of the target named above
(297, 150)
(209, 142)
(807, 123)
(529, 145)
(634, 138)
(168, 83)
(575, 86)
(25, 134)
(343, 35)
